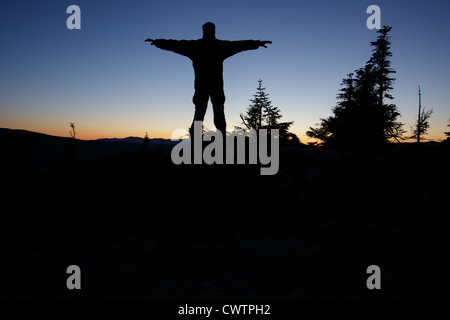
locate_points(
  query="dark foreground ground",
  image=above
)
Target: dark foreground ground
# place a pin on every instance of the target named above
(140, 227)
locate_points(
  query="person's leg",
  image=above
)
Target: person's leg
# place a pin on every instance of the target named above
(218, 101)
(200, 101)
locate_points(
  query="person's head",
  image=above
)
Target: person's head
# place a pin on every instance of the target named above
(209, 31)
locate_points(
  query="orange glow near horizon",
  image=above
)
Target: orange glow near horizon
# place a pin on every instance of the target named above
(89, 133)
(91, 128)
(93, 133)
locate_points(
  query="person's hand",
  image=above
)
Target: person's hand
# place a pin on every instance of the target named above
(150, 40)
(263, 43)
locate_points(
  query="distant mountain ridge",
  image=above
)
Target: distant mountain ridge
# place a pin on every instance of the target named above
(137, 140)
(10, 133)
(27, 151)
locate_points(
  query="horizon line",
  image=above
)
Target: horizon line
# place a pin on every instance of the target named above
(408, 140)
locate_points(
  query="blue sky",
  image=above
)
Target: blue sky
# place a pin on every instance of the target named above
(111, 83)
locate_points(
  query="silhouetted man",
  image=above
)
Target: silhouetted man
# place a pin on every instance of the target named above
(207, 55)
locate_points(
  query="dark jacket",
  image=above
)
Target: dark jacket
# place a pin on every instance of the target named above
(207, 56)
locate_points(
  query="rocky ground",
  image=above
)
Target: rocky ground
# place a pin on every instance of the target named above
(140, 227)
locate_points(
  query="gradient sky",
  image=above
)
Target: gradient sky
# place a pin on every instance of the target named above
(111, 83)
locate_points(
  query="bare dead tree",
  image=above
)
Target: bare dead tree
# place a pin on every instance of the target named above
(72, 132)
(72, 149)
(422, 125)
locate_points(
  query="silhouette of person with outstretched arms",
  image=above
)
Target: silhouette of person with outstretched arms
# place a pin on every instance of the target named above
(207, 55)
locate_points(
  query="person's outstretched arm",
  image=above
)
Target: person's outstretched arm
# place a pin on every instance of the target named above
(243, 45)
(178, 46)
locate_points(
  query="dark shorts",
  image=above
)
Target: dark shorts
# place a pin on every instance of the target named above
(201, 97)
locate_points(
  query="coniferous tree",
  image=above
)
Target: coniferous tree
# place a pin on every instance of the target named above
(145, 142)
(271, 116)
(261, 114)
(253, 119)
(361, 119)
(381, 63)
(385, 118)
(323, 132)
(448, 133)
